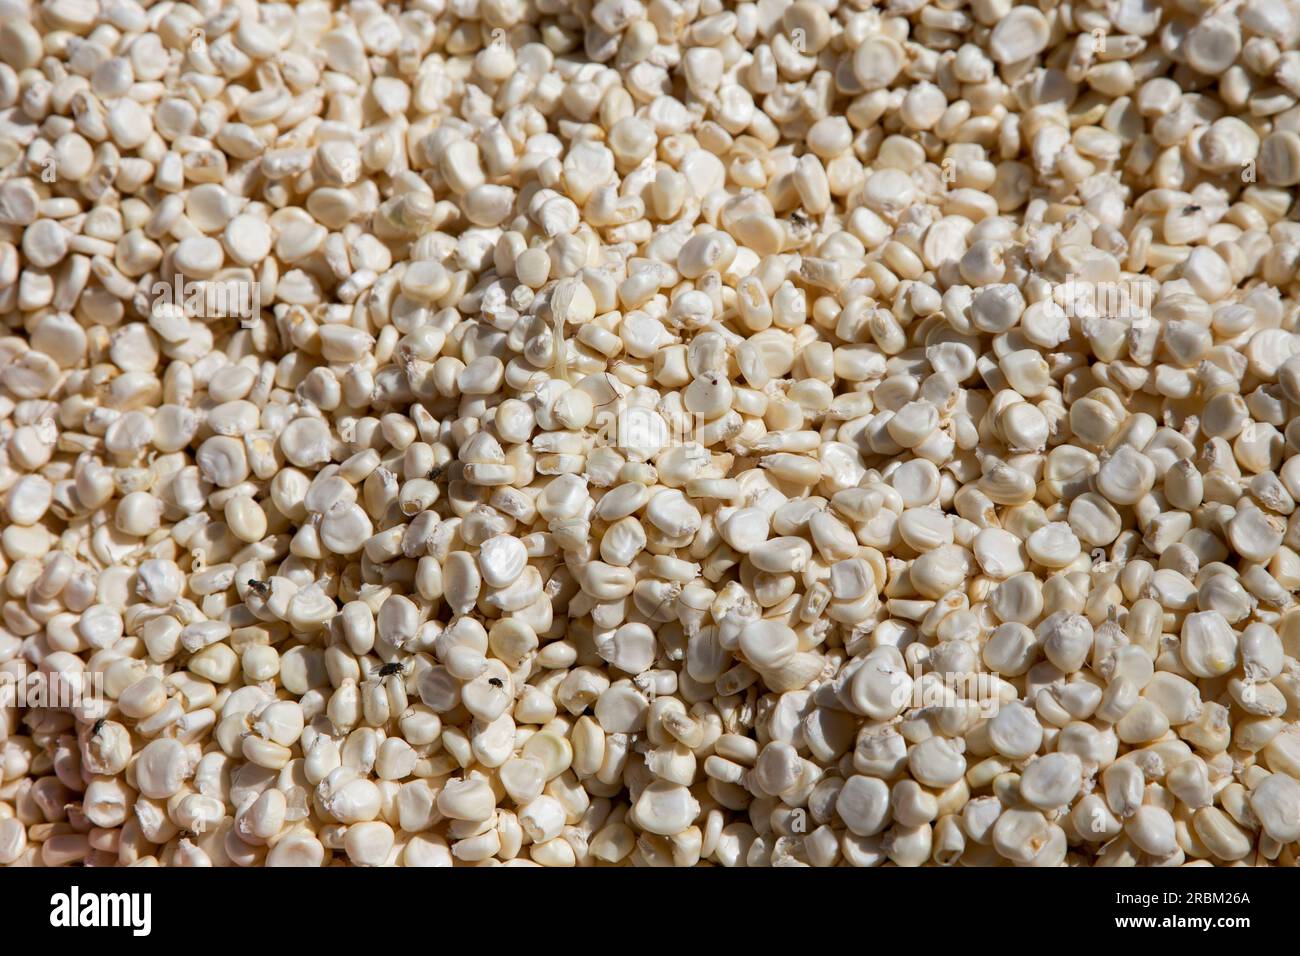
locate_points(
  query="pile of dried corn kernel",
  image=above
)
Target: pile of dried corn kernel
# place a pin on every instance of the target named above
(665, 433)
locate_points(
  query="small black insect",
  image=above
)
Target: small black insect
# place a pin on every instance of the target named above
(98, 726)
(260, 588)
(392, 667)
(496, 682)
(436, 472)
(1188, 210)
